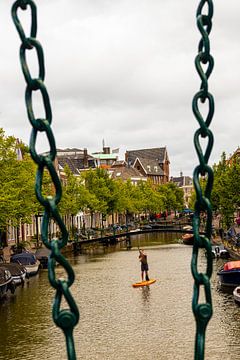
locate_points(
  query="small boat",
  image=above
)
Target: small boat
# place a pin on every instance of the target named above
(219, 251)
(42, 256)
(18, 272)
(188, 239)
(6, 282)
(236, 295)
(187, 227)
(229, 275)
(135, 230)
(28, 260)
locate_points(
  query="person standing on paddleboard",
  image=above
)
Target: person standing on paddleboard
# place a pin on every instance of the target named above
(144, 264)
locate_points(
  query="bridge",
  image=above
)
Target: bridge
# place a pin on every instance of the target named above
(117, 236)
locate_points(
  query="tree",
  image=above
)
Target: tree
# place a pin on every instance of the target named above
(226, 189)
(172, 195)
(130, 198)
(69, 204)
(152, 200)
(97, 183)
(16, 183)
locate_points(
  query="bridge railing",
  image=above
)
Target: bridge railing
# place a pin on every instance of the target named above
(116, 229)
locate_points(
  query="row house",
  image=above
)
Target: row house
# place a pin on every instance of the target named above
(152, 163)
(186, 184)
(76, 159)
(234, 157)
(121, 170)
(140, 165)
(105, 158)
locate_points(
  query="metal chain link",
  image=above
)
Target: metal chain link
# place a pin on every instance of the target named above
(66, 319)
(204, 60)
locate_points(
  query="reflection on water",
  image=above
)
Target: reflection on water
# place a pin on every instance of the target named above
(146, 294)
(117, 321)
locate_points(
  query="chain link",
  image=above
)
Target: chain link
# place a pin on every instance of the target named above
(66, 319)
(204, 60)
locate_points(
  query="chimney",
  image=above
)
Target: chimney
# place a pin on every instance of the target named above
(106, 150)
(85, 158)
(181, 174)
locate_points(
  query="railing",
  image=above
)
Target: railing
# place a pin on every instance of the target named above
(101, 235)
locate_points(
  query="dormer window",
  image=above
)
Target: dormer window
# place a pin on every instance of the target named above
(155, 168)
(148, 167)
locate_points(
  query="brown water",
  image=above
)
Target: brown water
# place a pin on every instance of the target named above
(117, 321)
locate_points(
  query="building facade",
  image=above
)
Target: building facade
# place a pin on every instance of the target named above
(152, 163)
(105, 158)
(120, 170)
(186, 184)
(76, 159)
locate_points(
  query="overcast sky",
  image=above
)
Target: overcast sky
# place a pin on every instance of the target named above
(123, 71)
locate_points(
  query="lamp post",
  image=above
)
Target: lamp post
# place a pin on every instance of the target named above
(38, 215)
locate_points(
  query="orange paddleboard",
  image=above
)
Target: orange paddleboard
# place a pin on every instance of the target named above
(144, 283)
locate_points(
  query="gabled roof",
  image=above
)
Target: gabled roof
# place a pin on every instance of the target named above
(70, 152)
(150, 167)
(75, 159)
(182, 180)
(157, 154)
(76, 164)
(118, 163)
(125, 173)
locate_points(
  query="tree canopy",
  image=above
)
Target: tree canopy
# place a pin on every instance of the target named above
(96, 191)
(226, 189)
(17, 177)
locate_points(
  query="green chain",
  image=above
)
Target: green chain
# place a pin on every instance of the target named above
(66, 319)
(203, 311)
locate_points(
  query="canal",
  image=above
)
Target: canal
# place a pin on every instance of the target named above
(117, 321)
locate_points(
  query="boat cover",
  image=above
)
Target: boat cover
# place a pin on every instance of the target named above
(14, 268)
(232, 265)
(24, 258)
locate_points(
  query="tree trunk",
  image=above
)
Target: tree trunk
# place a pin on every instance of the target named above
(37, 231)
(91, 220)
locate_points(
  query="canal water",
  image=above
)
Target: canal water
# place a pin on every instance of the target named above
(117, 321)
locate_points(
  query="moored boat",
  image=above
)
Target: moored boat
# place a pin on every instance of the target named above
(42, 255)
(18, 272)
(188, 239)
(28, 260)
(6, 282)
(236, 295)
(229, 275)
(219, 251)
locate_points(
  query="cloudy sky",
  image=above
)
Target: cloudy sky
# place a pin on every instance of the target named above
(123, 71)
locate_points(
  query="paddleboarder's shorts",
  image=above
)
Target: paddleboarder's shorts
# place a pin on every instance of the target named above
(144, 267)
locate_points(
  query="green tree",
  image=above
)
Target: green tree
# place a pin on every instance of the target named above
(152, 200)
(17, 179)
(69, 204)
(97, 184)
(129, 200)
(172, 195)
(225, 194)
